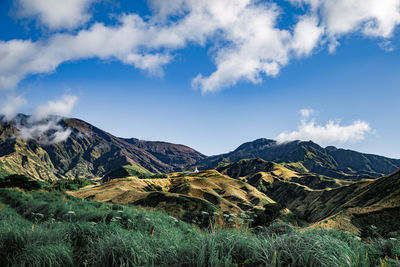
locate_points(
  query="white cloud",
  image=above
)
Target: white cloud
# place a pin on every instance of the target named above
(307, 112)
(11, 105)
(245, 39)
(255, 46)
(55, 14)
(44, 125)
(246, 28)
(121, 42)
(45, 132)
(375, 18)
(332, 131)
(307, 34)
(61, 107)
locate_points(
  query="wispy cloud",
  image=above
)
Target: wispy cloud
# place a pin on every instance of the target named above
(11, 105)
(331, 132)
(44, 124)
(45, 132)
(247, 42)
(307, 112)
(61, 107)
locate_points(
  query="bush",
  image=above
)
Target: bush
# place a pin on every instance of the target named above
(276, 228)
(23, 182)
(70, 184)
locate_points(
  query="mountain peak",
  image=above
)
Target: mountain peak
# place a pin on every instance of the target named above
(85, 151)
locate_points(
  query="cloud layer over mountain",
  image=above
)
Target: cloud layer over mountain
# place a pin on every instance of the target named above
(43, 125)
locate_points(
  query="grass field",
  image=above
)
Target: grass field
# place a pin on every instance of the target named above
(53, 229)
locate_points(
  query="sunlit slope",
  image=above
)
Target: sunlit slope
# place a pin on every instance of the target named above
(366, 204)
(182, 195)
(262, 174)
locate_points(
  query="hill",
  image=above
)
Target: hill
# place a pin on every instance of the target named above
(263, 174)
(191, 197)
(365, 206)
(309, 157)
(369, 206)
(88, 152)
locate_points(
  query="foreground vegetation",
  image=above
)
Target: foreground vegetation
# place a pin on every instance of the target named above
(53, 229)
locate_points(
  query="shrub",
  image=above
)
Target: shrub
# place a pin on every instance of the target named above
(23, 182)
(71, 184)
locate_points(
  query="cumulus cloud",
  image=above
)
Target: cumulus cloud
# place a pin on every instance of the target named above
(374, 18)
(307, 34)
(121, 42)
(11, 105)
(246, 41)
(55, 14)
(332, 131)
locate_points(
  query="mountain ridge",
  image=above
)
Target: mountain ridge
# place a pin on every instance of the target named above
(308, 156)
(88, 152)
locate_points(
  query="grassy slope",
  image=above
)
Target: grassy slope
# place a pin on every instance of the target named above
(262, 174)
(47, 229)
(366, 206)
(184, 197)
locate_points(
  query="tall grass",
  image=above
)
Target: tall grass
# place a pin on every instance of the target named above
(52, 229)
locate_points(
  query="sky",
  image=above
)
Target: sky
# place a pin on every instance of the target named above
(210, 74)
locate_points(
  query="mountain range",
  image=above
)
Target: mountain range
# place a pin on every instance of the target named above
(90, 152)
(308, 157)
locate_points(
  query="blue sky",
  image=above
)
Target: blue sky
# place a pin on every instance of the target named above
(341, 65)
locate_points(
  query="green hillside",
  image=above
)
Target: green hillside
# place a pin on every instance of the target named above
(51, 229)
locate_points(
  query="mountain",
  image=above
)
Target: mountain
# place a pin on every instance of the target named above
(88, 152)
(309, 157)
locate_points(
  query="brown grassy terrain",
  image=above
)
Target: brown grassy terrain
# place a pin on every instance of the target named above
(366, 206)
(263, 174)
(181, 195)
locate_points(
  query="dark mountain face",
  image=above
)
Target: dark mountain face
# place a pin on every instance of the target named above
(179, 156)
(87, 152)
(309, 157)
